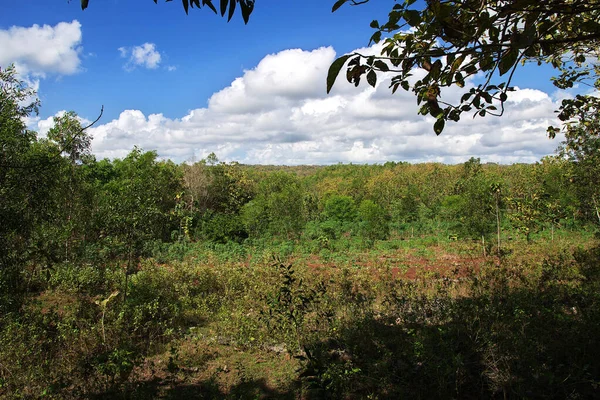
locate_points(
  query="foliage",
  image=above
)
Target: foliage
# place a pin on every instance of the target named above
(227, 6)
(135, 206)
(450, 42)
(582, 148)
(23, 195)
(373, 223)
(84, 313)
(277, 208)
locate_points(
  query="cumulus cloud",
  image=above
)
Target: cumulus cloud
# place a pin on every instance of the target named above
(279, 113)
(145, 56)
(39, 50)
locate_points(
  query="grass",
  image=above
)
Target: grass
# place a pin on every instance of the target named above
(416, 317)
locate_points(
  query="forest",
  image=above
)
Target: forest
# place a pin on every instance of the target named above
(142, 278)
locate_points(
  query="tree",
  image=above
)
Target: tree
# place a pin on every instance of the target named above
(453, 40)
(135, 206)
(582, 148)
(277, 208)
(71, 197)
(475, 206)
(70, 137)
(24, 192)
(227, 6)
(373, 223)
(338, 217)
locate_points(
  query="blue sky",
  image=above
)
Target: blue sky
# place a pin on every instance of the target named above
(188, 85)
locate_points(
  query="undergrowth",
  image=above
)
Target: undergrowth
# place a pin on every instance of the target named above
(229, 322)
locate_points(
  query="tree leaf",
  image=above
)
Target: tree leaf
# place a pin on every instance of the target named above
(376, 37)
(334, 71)
(224, 7)
(186, 5)
(84, 4)
(412, 17)
(438, 127)
(382, 65)
(372, 78)
(209, 4)
(508, 60)
(231, 10)
(247, 8)
(337, 5)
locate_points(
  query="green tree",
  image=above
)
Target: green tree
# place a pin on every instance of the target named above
(475, 205)
(70, 137)
(137, 204)
(27, 178)
(582, 148)
(277, 208)
(451, 41)
(373, 222)
(340, 208)
(339, 215)
(72, 196)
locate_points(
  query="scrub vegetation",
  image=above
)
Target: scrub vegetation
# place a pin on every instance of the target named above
(138, 278)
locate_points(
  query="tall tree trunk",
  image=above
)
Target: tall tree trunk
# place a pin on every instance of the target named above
(498, 223)
(483, 243)
(596, 207)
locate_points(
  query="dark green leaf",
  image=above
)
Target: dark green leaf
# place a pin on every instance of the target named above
(186, 5)
(376, 37)
(382, 66)
(231, 9)
(412, 17)
(247, 8)
(438, 127)
(84, 4)
(224, 7)
(372, 78)
(508, 60)
(209, 4)
(334, 71)
(374, 24)
(337, 5)
(590, 26)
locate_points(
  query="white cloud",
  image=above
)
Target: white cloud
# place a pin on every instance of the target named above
(39, 50)
(145, 55)
(279, 113)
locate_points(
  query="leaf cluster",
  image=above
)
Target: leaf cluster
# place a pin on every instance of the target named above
(225, 7)
(452, 41)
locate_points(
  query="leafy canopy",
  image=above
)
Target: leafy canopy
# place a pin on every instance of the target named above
(452, 40)
(226, 6)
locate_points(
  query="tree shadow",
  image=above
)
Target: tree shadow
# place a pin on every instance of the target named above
(207, 389)
(506, 343)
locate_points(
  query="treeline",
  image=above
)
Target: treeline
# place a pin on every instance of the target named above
(59, 204)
